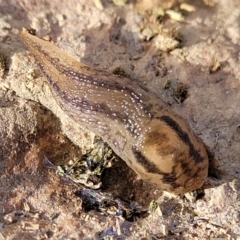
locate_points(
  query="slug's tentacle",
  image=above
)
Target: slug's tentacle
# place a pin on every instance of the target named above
(141, 129)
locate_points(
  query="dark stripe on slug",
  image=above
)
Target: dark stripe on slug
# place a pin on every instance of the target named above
(91, 79)
(187, 170)
(167, 178)
(184, 137)
(174, 185)
(170, 178)
(95, 81)
(86, 106)
(144, 162)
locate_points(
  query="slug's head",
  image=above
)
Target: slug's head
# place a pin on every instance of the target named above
(171, 156)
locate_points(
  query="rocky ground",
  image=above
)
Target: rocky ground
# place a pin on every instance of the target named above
(186, 52)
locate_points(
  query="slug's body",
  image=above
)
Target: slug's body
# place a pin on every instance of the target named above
(140, 128)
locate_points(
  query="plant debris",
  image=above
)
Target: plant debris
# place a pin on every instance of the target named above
(88, 169)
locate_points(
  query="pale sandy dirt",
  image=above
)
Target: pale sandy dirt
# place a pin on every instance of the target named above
(34, 202)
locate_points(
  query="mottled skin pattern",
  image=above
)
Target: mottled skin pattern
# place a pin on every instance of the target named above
(141, 129)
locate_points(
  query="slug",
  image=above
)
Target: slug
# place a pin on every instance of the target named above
(140, 128)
